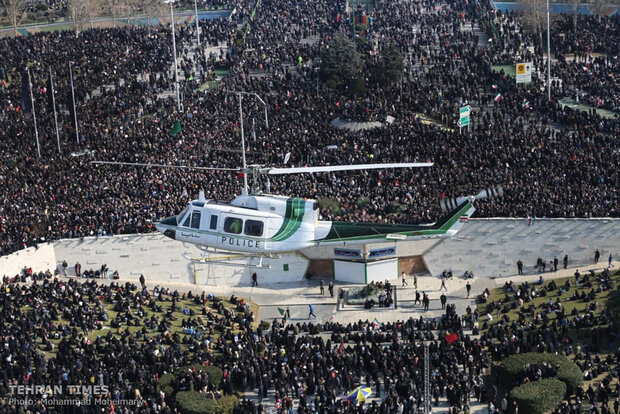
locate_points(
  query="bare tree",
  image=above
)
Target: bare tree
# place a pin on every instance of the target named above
(534, 16)
(574, 5)
(155, 9)
(81, 11)
(15, 10)
(598, 7)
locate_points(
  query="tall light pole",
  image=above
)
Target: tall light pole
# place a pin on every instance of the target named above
(548, 55)
(77, 135)
(174, 50)
(54, 106)
(34, 115)
(197, 27)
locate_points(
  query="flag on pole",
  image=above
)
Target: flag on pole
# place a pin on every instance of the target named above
(494, 86)
(282, 311)
(525, 104)
(340, 347)
(376, 323)
(409, 196)
(176, 128)
(497, 97)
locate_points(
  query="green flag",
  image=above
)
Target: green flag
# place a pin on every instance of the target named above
(176, 128)
(282, 311)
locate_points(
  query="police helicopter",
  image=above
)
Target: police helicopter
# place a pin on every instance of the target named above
(260, 224)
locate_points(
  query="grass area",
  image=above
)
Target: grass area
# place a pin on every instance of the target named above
(581, 336)
(509, 70)
(212, 84)
(425, 119)
(175, 326)
(604, 113)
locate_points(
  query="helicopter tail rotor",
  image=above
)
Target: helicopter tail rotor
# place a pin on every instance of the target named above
(449, 204)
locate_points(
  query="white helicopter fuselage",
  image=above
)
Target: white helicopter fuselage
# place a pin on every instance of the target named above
(248, 224)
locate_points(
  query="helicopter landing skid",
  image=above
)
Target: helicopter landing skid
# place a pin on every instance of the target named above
(227, 260)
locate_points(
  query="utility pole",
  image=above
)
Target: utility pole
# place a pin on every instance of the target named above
(77, 135)
(174, 50)
(54, 106)
(427, 380)
(197, 27)
(34, 115)
(548, 55)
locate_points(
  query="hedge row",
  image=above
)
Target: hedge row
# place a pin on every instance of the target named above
(167, 382)
(193, 402)
(568, 372)
(538, 396)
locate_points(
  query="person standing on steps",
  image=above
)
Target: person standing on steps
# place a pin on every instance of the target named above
(468, 287)
(565, 261)
(254, 279)
(311, 308)
(443, 283)
(330, 287)
(520, 267)
(404, 279)
(322, 287)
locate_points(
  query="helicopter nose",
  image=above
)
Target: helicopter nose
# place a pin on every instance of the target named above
(164, 227)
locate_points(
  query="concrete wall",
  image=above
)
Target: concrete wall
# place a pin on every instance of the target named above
(40, 259)
(161, 259)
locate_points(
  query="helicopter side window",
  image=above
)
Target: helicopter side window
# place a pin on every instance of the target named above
(213, 224)
(187, 220)
(253, 228)
(196, 219)
(233, 225)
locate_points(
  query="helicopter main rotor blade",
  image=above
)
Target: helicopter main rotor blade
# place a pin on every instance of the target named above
(142, 164)
(327, 168)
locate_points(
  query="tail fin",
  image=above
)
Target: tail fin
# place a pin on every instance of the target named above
(454, 221)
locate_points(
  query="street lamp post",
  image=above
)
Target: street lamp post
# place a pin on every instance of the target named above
(174, 50)
(197, 27)
(548, 55)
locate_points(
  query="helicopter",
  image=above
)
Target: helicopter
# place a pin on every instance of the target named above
(260, 224)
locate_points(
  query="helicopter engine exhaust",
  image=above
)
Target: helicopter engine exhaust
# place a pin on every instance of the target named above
(449, 204)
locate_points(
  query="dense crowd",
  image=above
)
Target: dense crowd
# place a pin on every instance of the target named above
(121, 336)
(551, 161)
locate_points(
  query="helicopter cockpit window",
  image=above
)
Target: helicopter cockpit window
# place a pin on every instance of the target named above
(182, 214)
(233, 225)
(213, 224)
(195, 219)
(187, 220)
(253, 228)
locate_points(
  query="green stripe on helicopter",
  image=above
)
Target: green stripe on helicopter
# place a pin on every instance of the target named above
(295, 208)
(346, 231)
